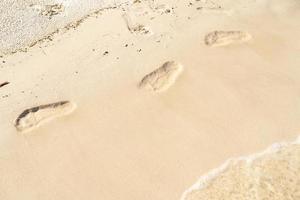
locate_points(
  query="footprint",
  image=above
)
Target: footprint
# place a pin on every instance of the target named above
(140, 29)
(32, 118)
(136, 28)
(162, 78)
(223, 38)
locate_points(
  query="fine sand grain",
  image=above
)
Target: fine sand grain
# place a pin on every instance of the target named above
(166, 91)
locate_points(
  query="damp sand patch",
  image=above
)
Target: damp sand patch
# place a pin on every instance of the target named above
(272, 174)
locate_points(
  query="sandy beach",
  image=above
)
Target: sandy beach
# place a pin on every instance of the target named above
(152, 100)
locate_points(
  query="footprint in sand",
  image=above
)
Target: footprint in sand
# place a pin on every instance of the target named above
(32, 118)
(223, 38)
(136, 28)
(162, 78)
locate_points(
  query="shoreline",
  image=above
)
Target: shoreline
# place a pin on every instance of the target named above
(205, 180)
(55, 17)
(164, 92)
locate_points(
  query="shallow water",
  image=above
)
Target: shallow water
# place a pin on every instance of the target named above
(272, 174)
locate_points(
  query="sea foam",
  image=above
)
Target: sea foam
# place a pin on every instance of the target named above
(270, 174)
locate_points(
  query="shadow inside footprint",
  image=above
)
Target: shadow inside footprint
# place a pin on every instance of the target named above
(32, 118)
(4, 84)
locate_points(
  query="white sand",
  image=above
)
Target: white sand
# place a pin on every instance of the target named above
(23, 22)
(123, 142)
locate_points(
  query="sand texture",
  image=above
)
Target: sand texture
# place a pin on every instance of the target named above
(31, 118)
(24, 22)
(165, 92)
(162, 78)
(223, 38)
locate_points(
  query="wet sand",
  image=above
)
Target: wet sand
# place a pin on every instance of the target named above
(124, 141)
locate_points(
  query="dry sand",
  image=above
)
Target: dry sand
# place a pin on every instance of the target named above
(125, 142)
